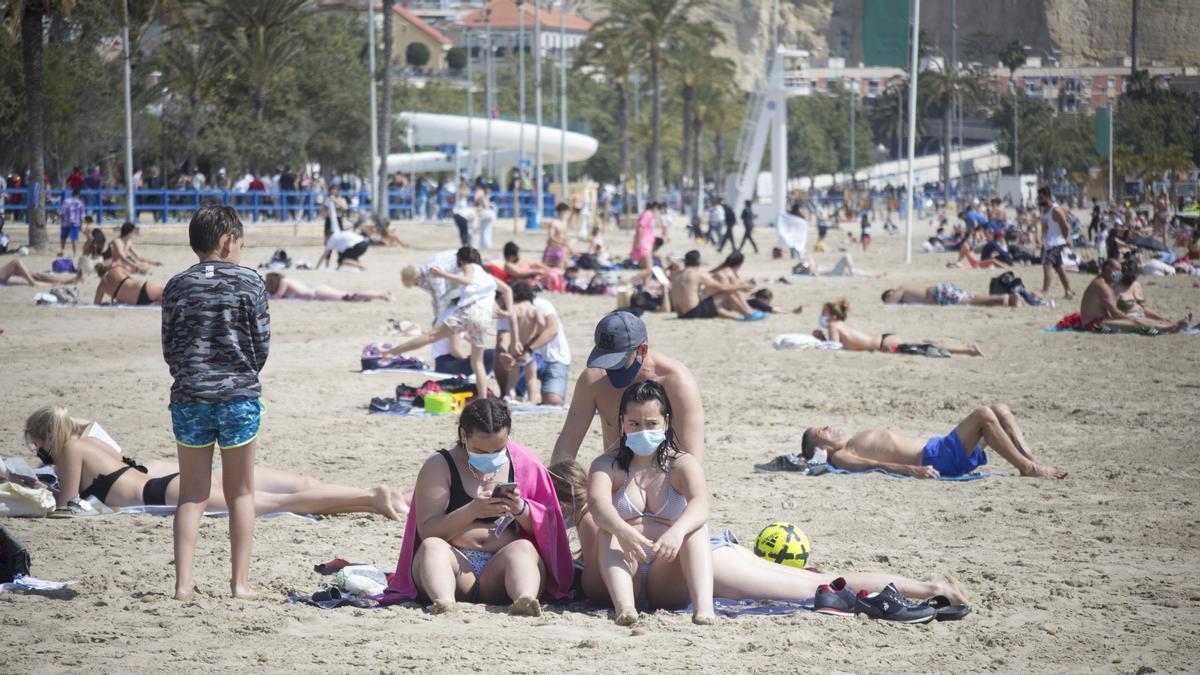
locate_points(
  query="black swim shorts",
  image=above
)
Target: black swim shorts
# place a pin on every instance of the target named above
(707, 309)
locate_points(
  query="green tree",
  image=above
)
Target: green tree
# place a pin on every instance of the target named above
(690, 59)
(943, 87)
(653, 24)
(416, 54)
(1012, 57)
(261, 38)
(456, 58)
(606, 56)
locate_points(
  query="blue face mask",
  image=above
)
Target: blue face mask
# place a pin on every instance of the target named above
(623, 377)
(645, 442)
(823, 321)
(486, 462)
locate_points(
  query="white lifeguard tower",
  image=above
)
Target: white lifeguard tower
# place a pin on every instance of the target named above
(766, 116)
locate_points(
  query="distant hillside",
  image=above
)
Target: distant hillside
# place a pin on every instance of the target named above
(1085, 30)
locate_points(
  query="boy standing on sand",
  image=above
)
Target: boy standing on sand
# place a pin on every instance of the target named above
(216, 332)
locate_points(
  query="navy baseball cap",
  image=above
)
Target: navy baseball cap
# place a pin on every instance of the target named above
(617, 335)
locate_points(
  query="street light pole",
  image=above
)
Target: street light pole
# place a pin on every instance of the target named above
(537, 104)
(131, 215)
(470, 105)
(912, 128)
(487, 75)
(853, 157)
(374, 113)
(521, 104)
(562, 94)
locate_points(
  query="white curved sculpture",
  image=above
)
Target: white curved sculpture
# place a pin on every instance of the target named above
(436, 129)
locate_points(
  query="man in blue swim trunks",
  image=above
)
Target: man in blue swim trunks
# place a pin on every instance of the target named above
(992, 426)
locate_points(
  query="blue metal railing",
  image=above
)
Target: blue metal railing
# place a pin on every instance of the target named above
(178, 205)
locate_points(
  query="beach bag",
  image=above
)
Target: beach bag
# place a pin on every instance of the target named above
(63, 266)
(373, 359)
(1005, 283)
(18, 500)
(14, 557)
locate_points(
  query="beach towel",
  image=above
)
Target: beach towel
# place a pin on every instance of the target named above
(513, 408)
(549, 534)
(372, 358)
(735, 608)
(792, 231)
(47, 300)
(802, 341)
(965, 477)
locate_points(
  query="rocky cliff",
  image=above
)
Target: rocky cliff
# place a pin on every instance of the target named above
(1084, 30)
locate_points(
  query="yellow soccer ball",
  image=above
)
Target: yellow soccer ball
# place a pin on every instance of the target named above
(783, 543)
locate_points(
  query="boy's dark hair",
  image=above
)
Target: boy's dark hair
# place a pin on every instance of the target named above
(128, 227)
(522, 292)
(467, 255)
(764, 294)
(209, 224)
(885, 294)
(1044, 190)
(691, 258)
(511, 249)
(807, 444)
(658, 242)
(562, 206)
(484, 416)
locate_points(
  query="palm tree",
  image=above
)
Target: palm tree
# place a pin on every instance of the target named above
(1013, 57)
(692, 58)
(653, 24)
(712, 94)
(605, 54)
(28, 17)
(944, 87)
(190, 67)
(261, 38)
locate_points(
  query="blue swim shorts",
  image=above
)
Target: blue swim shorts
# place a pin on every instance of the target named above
(66, 232)
(229, 425)
(554, 378)
(947, 455)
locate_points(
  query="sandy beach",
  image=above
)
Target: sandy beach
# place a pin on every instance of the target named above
(1094, 573)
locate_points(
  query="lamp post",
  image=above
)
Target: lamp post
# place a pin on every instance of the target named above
(132, 215)
(521, 104)
(912, 128)
(374, 112)
(537, 104)
(853, 157)
(490, 92)
(470, 103)
(562, 93)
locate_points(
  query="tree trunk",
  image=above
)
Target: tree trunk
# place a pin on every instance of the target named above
(947, 111)
(260, 103)
(719, 161)
(385, 117)
(656, 123)
(688, 96)
(697, 165)
(623, 140)
(35, 107)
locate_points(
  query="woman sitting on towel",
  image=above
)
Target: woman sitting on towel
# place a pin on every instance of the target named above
(118, 283)
(283, 288)
(834, 328)
(644, 558)
(485, 525)
(88, 465)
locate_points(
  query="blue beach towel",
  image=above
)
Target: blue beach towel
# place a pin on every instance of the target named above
(735, 608)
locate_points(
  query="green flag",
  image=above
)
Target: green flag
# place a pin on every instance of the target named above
(1103, 122)
(885, 33)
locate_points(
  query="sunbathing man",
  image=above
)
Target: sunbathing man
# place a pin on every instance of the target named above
(833, 321)
(1099, 310)
(696, 294)
(621, 357)
(944, 294)
(992, 426)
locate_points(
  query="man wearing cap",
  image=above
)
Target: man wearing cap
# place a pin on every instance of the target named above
(620, 358)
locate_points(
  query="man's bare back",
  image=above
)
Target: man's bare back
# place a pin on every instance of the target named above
(686, 289)
(1099, 302)
(529, 319)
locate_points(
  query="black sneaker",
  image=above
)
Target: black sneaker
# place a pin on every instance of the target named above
(835, 599)
(889, 605)
(783, 463)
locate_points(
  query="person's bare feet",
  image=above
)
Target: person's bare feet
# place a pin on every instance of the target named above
(627, 618)
(1045, 471)
(525, 606)
(185, 595)
(383, 499)
(704, 618)
(949, 587)
(387, 296)
(1069, 295)
(975, 350)
(245, 593)
(799, 309)
(442, 607)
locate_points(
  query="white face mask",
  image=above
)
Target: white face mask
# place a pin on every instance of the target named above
(1114, 277)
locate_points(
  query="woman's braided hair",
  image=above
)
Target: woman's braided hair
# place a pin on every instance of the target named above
(485, 416)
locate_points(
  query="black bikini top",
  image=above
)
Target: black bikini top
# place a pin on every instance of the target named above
(102, 484)
(458, 494)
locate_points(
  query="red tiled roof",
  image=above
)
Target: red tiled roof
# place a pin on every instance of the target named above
(417, 22)
(506, 16)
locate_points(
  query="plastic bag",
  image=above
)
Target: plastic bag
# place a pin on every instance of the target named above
(18, 500)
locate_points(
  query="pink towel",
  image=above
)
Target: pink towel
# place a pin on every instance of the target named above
(549, 534)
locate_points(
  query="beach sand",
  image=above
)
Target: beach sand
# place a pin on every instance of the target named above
(1094, 573)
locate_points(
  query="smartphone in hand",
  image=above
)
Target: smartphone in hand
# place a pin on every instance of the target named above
(503, 490)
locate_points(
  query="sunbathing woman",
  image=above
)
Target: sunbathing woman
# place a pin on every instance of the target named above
(833, 322)
(973, 261)
(116, 282)
(283, 288)
(736, 573)
(88, 465)
(485, 524)
(15, 273)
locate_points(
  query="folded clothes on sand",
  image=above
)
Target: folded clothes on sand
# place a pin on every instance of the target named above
(513, 408)
(26, 583)
(802, 341)
(796, 464)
